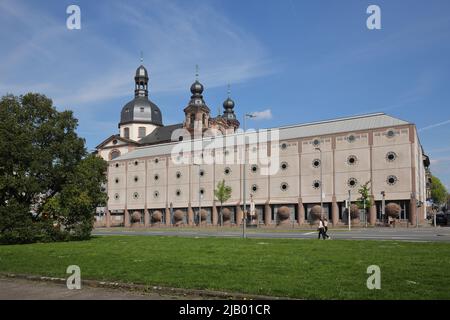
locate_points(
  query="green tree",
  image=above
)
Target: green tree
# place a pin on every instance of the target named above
(222, 194)
(439, 193)
(41, 158)
(365, 199)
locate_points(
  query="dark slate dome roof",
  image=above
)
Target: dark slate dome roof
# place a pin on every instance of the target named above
(197, 88)
(141, 72)
(228, 112)
(228, 104)
(141, 110)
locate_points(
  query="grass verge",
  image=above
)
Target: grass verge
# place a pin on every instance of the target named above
(307, 269)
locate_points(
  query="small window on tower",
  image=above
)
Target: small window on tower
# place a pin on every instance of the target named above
(126, 133)
(142, 109)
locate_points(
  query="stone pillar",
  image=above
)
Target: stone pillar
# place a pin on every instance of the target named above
(146, 217)
(108, 218)
(421, 213)
(190, 215)
(373, 213)
(126, 218)
(267, 214)
(412, 211)
(301, 212)
(215, 216)
(168, 220)
(239, 215)
(334, 212)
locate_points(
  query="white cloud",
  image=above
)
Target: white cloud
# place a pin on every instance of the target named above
(92, 65)
(263, 115)
(436, 125)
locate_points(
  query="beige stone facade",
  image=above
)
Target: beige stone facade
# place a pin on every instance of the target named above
(148, 180)
(324, 161)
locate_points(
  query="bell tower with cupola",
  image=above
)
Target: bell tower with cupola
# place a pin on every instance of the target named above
(197, 113)
(140, 116)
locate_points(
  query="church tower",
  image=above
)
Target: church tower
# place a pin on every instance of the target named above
(197, 113)
(140, 116)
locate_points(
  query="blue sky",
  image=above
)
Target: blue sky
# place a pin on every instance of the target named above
(303, 60)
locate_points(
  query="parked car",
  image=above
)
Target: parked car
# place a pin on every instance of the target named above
(441, 219)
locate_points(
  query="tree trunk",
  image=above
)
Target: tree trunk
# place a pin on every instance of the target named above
(221, 214)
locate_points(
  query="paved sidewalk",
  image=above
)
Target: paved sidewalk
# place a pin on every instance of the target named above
(441, 234)
(21, 289)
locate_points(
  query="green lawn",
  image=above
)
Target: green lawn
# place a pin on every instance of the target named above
(310, 269)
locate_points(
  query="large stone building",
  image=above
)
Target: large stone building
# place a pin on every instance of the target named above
(147, 184)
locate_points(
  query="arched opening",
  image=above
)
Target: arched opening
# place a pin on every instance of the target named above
(114, 154)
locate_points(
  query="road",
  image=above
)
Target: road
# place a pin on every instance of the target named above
(400, 234)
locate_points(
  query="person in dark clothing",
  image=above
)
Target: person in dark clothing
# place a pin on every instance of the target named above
(325, 228)
(321, 229)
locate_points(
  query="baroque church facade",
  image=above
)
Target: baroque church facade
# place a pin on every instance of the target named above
(322, 166)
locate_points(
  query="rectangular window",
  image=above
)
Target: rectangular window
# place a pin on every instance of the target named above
(126, 133)
(141, 132)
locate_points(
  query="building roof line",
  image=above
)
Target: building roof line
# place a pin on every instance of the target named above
(333, 120)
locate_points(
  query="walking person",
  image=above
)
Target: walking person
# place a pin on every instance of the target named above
(321, 229)
(325, 228)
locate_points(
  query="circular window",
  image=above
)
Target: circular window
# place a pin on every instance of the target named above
(391, 180)
(117, 165)
(136, 195)
(254, 168)
(316, 163)
(316, 142)
(136, 179)
(283, 146)
(114, 142)
(284, 186)
(352, 182)
(351, 138)
(227, 171)
(116, 196)
(156, 177)
(136, 163)
(351, 160)
(316, 184)
(254, 188)
(202, 173)
(284, 166)
(156, 194)
(178, 175)
(391, 156)
(178, 193)
(390, 134)
(117, 180)
(156, 160)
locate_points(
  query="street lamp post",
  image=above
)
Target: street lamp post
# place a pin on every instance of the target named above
(349, 210)
(321, 184)
(247, 115)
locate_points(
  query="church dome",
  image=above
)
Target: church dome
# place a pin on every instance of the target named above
(141, 72)
(228, 104)
(197, 88)
(141, 110)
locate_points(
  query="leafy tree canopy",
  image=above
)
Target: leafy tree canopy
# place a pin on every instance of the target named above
(49, 186)
(439, 193)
